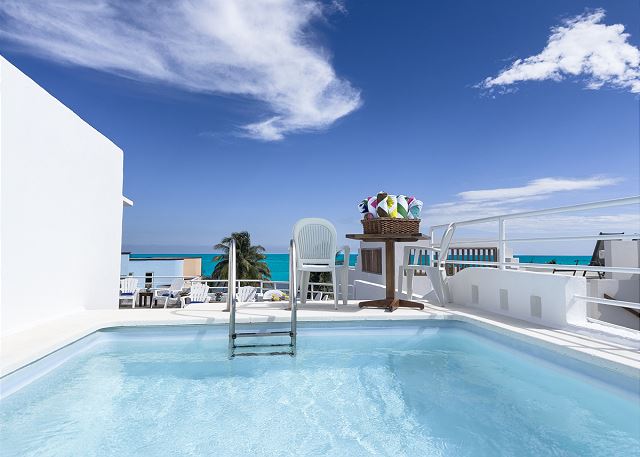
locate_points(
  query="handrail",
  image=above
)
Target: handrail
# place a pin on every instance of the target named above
(546, 266)
(502, 238)
(633, 236)
(502, 243)
(608, 301)
(231, 294)
(543, 212)
(293, 292)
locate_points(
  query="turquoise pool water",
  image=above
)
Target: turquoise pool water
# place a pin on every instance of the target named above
(438, 389)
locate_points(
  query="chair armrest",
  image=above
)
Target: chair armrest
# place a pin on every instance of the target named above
(157, 292)
(408, 248)
(347, 252)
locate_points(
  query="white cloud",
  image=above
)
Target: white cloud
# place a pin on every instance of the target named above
(476, 204)
(261, 49)
(537, 188)
(582, 46)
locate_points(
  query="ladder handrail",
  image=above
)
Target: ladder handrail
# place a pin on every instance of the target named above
(231, 295)
(232, 305)
(293, 292)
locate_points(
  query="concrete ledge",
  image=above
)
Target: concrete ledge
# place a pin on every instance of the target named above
(21, 349)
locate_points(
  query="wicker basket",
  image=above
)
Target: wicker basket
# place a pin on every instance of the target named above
(384, 225)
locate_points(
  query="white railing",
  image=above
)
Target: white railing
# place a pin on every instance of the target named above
(502, 240)
(221, 285)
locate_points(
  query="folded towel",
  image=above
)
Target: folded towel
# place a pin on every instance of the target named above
(415, 207)
(385, 205)
(363, 206)
(392, 206)
(383, 208)
(403, 207)
(372, 205)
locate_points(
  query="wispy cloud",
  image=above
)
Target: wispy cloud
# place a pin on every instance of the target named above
(476, 204)
(538, 188)
(581, 47)
(256, 48)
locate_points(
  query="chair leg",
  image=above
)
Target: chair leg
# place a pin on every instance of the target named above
(410, 285)
(345, 286)
(304, 286)
(400, 280)
(334, 279)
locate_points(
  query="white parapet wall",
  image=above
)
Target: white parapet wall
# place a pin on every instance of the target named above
(61, 213)
(535, 297)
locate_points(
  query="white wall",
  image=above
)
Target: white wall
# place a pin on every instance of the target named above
(555, 294)
(61, 216)
(159, 268)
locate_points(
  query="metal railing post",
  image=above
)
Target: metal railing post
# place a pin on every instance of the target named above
(502, 244)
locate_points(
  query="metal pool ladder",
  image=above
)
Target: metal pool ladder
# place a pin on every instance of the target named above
(278, 348)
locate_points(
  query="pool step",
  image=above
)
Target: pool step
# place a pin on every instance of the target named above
(251, 354)
(254, 334)
(274, 345)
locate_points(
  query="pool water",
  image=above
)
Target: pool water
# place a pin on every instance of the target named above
(435, 389)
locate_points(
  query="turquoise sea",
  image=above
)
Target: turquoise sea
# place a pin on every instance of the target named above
(279, 263)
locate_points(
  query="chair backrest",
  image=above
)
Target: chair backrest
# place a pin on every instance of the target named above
(315, 241)
(177, 284)
(445, 243)
(128, 285)
(199, 292)
(247, 293)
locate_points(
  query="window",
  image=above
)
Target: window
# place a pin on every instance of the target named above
(371, 260)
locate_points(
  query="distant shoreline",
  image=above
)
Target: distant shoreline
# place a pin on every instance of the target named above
(279, 263)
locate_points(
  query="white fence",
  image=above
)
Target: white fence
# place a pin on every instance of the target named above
(221, 285)
(502, 240)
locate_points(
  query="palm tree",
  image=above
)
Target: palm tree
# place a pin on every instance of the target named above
(249, 259)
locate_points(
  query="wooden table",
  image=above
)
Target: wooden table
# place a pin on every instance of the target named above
(390, 302)
(142, 299)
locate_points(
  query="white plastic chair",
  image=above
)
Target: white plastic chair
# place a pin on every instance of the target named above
(247, 294)
(129, 290)
(170, 294)
(414, 259)
(199, 293)
(316, 252)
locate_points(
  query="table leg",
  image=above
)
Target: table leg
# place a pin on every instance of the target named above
(389, 269)
(390, 303)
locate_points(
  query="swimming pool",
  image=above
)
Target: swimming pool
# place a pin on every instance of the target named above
(434, 388)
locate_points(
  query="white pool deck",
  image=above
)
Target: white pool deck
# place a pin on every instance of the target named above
(20, 349)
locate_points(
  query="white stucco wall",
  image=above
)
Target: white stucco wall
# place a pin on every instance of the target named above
(162, 270)
(536, 297)
(61, 216)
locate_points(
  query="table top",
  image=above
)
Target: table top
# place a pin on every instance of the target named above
(400, 237)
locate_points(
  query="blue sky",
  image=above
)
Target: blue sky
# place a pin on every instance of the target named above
(253, 118)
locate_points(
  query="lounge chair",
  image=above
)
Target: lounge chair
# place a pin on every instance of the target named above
(199, 293)
(596, 259)
(316, 252)
(129, 290)
(247, 294)
(171, 294)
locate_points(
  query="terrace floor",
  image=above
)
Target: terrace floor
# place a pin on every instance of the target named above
(24, 347)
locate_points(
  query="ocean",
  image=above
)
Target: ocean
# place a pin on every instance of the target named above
(279, 263)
